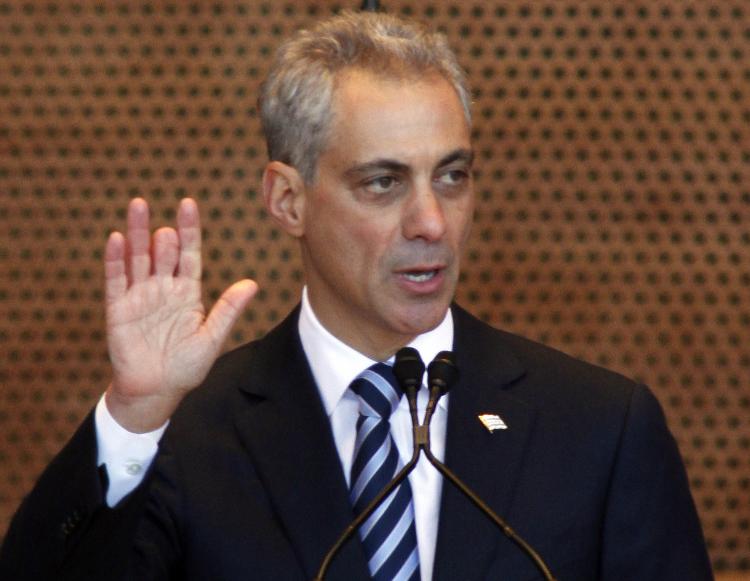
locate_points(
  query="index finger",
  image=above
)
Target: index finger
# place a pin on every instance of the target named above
(189, 232)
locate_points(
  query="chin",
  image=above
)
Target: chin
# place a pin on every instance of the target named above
(422, 318)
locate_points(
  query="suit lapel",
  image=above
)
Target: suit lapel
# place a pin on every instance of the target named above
(286, 431)
(288, 434)
(489, 463)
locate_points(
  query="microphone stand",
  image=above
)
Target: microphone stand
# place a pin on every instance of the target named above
(442, 372)
(375, 503)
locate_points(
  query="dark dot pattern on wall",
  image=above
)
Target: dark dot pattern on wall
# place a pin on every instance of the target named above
(612, 218)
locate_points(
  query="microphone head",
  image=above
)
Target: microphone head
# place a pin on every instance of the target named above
(442, 371)
(408, 368)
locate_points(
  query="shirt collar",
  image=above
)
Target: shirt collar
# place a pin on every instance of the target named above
(335, 364)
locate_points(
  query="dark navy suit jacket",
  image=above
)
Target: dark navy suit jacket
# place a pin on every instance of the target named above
(248, 484)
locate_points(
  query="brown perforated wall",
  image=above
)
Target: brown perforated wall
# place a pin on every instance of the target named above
(613, 216)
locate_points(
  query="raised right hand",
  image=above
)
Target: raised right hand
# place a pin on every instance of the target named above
(161, 343)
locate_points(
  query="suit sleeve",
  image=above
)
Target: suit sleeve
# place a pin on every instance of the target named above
(63, 528)
(651, 530)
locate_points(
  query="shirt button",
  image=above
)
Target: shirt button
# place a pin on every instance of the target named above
(133, 468)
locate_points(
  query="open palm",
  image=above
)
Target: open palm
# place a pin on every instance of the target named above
(161, 342)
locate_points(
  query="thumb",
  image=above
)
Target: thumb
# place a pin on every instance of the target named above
(227, 310)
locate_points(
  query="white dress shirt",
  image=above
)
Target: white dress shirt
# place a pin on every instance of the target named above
(334, 365)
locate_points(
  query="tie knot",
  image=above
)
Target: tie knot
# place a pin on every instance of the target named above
(378, 391)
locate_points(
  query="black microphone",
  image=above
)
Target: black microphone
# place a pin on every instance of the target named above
(408, 369)
(442, 373)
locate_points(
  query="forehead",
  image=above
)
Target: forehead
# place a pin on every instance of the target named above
(400, 118)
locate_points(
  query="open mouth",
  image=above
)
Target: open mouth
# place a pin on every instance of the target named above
(420, 275)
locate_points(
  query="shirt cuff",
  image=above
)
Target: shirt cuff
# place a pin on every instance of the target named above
(126, 455)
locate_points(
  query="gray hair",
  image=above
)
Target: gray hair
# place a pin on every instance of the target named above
(295, 99)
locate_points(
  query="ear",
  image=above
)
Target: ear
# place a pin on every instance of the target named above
(284, 196)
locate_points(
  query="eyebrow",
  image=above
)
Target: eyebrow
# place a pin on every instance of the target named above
(462, 154)
(465, 155)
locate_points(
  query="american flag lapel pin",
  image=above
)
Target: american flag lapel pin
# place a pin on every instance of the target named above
(492, 422)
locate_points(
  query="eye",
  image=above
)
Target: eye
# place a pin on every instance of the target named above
(381, 184)
(453, 177)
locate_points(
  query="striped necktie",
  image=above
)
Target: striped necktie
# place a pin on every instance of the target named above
(389, 534)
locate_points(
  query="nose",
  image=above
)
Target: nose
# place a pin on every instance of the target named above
(424, 215)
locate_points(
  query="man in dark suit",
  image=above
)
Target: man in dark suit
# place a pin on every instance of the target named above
(368, 124)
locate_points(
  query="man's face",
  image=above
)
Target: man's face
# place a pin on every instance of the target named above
(389, 214)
